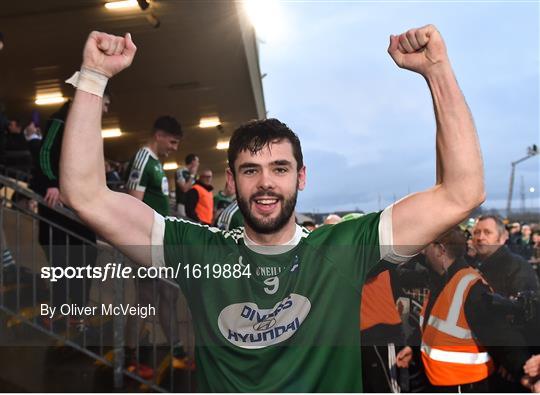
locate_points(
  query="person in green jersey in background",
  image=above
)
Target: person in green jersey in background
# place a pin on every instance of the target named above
(230, 218)
(275, 308)
(146, 178)
(223, 199)
(147, 182)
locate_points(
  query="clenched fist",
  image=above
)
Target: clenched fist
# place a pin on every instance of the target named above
(420, 50)
(108, 54)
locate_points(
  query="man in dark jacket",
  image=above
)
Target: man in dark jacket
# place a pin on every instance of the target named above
(508, 275)
(15, 152)
(71, 244)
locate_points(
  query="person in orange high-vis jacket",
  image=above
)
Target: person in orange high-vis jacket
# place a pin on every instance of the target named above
(200, 200)
(459, 329)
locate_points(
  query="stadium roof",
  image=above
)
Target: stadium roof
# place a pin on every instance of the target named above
(201, 61)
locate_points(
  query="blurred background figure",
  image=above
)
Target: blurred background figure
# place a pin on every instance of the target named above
(230, 218)
(332, 219)
(185, 178)
(309, 225)
(223, 199)
(112, 175)
(514, 233)
(523, 245)
(199, 201)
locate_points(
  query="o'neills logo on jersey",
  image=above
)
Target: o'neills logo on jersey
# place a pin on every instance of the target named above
(268, 271)
(247, 326)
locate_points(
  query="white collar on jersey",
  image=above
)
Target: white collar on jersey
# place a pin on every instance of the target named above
(152, 153)
(274, 249)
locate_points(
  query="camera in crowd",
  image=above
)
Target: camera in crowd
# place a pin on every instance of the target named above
(522, 308)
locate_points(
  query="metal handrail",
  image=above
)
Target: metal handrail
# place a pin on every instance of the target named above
(118, 363)
(27, 192)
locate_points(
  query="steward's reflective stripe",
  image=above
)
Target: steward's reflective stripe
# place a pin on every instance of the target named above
(457, 300)
(467, 358)
(450, 328)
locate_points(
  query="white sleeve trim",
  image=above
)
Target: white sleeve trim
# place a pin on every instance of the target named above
(140, 188)
(386, 239)
(158, 233)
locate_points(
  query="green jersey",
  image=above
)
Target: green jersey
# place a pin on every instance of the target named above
(275, 318)
(230, 218)
(146, 175)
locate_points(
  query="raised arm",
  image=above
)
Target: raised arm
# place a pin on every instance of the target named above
(420, 218)
(119, 218)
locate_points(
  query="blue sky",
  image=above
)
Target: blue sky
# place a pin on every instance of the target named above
(367, 127)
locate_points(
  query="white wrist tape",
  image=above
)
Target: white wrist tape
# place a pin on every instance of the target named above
(89, 81)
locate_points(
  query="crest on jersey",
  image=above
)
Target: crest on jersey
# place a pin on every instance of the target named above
(134, 175)
(165, 186)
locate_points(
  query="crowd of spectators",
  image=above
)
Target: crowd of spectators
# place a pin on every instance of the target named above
(23, 147)
(502, 311)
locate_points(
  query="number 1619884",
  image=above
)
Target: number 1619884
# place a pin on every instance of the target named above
(217, 271)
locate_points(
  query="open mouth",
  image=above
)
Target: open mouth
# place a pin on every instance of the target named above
(265, 205)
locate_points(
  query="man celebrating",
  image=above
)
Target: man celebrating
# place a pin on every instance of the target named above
(276, 310)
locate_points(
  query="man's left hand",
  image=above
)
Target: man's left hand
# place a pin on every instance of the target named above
(420, 50)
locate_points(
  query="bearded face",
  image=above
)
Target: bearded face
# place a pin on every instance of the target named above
(267, 185)
(262, 202)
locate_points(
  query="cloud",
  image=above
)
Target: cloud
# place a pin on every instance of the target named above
(367, 128)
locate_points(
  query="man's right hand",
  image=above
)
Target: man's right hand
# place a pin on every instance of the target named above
(108, 54)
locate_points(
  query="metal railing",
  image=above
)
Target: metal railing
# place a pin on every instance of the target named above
(23, 290)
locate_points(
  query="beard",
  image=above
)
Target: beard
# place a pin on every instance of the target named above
(267, 225)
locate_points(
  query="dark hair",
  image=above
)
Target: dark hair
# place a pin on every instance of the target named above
(16, 120)
(498, 222)
(190, 158)
(455, 242)
(253, 136)
(168, 125)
